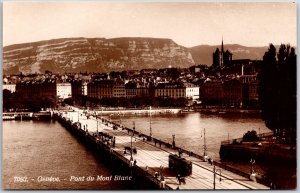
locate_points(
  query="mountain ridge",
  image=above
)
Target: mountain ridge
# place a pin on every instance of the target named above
(94, 55)
(77, 54)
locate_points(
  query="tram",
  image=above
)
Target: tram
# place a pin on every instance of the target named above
(180, 165)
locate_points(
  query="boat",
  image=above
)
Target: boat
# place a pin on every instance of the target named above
(9, 117)
(187, 110)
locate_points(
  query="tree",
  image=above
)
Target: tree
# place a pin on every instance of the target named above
(250, 136)
(277, 91)
(7, 99)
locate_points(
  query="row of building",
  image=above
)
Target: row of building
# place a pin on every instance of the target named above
(238, 91)
(103, 89)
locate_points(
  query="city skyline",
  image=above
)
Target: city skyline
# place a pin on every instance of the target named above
(188, 24)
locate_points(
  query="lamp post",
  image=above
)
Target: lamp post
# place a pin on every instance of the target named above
(78, 115)
(101, 114)
(97, 124)
(228, 138)
(216, 170)
(173, 143)
(131, 141)
(133, 128)
(120, 119)
(252, 174)
(252, 161)
(150, 126)
(204, 145)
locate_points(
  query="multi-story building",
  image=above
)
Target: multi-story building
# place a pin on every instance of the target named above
(40, 89)
(170, 90)
(211, 92)
(100, 89)
(143, 92)
(131, 90)
(253, 97)
(192, 91)
(119, 89)
(78, 88)
(233, 93)
(10, 87)
(64, 90)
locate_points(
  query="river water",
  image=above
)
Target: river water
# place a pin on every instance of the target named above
(188, 128)
(35, 148)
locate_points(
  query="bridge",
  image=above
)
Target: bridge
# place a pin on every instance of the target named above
(151, 156)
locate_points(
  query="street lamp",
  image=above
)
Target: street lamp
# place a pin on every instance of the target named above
(78, 115)
(204, 145)
(150, 126)
(131, 141)
(252, 161)
(120, 119)
(228, 138)
(252, 174)
(173, 143)
(97, 124)
(133, 128)
(216, 170)
(101, 114)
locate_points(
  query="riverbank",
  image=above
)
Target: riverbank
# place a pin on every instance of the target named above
(109, 111)
(42, 115)
(127, 111)
(226, 110)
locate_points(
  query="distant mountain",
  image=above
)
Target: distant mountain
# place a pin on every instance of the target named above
(203, 54)
(105, 55)
(94, 55)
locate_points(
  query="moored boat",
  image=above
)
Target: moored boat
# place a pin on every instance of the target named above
(9, 117)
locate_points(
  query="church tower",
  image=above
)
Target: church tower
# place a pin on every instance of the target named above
(221, 58)
(222, 54)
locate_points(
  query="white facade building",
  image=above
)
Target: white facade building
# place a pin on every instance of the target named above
(84, 88)
(10, 87)
(63, 90)
(192, 91)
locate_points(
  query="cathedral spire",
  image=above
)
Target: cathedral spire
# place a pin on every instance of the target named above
(222, 53)
(222, 48)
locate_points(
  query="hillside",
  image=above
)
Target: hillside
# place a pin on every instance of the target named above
(116, 54)
(94, 55)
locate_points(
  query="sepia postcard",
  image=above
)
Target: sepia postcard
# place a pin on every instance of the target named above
(149, 95)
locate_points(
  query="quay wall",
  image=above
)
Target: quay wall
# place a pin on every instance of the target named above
(226, 110)
(42, 115)
(109, 111)
(116, 162)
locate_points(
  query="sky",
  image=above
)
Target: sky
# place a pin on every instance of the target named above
(188, 24)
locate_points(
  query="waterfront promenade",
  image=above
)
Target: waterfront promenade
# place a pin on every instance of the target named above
(153, 158)
(137, 111)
